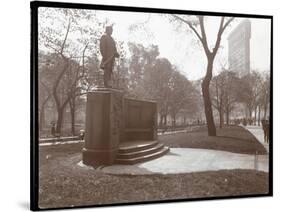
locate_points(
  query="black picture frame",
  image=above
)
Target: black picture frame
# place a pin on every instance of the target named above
(34, 135)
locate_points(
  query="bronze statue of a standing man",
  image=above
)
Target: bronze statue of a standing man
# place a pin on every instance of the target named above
(109, 52)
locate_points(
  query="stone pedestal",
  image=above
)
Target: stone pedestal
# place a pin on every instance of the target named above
(103, 131)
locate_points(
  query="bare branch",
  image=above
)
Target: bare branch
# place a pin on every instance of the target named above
(83, 59)
(55, 94)
(221, 30)
(190, 26)
(227, 23)
(66, 35)
(203, 33)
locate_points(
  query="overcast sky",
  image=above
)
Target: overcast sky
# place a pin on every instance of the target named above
(180, 47)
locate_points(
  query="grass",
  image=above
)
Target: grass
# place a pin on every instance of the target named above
(232, 139)
(62, 183)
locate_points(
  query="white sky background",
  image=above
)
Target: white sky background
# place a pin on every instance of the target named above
(180, 47)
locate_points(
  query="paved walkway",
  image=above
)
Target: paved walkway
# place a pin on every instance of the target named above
(187, 160)
(257, 131)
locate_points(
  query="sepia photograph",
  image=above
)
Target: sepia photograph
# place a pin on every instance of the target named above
(139, 105)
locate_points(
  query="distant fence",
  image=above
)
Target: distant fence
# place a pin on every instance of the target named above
(187, 128)
(59, 139)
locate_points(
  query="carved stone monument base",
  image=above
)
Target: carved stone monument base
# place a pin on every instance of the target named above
(104, 115)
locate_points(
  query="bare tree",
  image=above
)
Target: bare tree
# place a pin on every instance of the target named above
(224, 89)
(250, 90)
(219, 96)
(70, 43)
(198, 28)
(45, 80)
(264, 97)
(183, 95)
(157, 86)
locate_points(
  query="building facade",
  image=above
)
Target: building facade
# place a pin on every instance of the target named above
(239, 48)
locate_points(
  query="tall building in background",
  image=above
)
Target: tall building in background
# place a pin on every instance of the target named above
(239, 48)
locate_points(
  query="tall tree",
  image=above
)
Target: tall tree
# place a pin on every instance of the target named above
(264, 97)
(231, 93)
(45, 83)
(64, 33)
(157, 86)
(218, 89)
(140, 63)
(250, 85)
(224, 89)
(198, 28)
(182, 95)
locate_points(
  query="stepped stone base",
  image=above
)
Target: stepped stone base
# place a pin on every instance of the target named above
(140, 151)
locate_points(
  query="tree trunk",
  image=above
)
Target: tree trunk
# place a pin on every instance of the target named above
(255, 115)
(265, 111)
(42, 113)
(174, 120)
(250, 112)
(207, 100)
(72, 107)
(259, 115)
(165, 120)
(227, 113)
(161, 120)
(221, 117)
(73, 121)
(59, 121)
(42, 118)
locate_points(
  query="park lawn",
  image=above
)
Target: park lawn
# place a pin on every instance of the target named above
(232, 139)
(62, 183)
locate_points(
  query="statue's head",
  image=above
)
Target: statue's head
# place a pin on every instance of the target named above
(108, 30)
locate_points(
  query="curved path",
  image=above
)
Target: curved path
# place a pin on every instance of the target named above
(187, 160)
